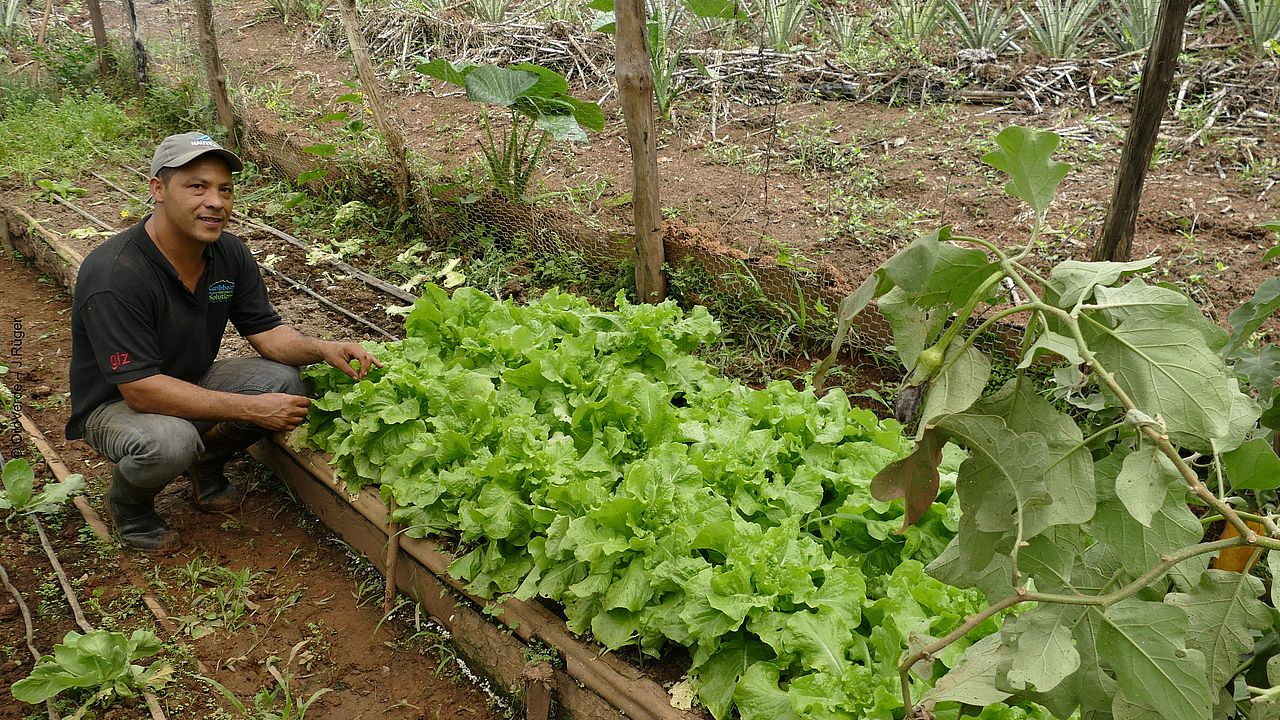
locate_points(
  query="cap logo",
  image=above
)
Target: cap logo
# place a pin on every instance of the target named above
(204, 141)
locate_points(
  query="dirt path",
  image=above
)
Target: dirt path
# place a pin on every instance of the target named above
(296, 583)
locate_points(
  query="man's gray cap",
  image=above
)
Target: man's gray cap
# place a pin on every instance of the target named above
(178, 150)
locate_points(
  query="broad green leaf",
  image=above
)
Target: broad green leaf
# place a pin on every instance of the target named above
(561, 127)
(936, 273)
(550, 83)
(956, 388)
(820, 640)
(721, 9)
(1074, 280)
(1249, 317)
(758, 696)
(321, 149)
(1055, 344)
(1003, 479)
(442, 69)
(913, 478)
(973, 680)
(601, 5)
(1245, 413)
(1260, 366)
(912, 327)
(1143, 642)
(614, 628)
(1145, 480)
(1167, 371)
(1068, 469)
(53, 495)
(1026, 156)
(1253, 466)
(605, 22)
(588, 114)
(1223, 613)
(719, 675)
(18, 480)
(498, 86)
(1140, 547)
(1040, 650)
(1137, 297)
(45, 681)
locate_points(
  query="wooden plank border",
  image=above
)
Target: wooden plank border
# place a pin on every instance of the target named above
(590, 685)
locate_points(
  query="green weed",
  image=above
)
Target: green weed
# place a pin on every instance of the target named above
(69, 135)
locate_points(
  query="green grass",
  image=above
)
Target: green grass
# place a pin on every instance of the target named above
(68, 135)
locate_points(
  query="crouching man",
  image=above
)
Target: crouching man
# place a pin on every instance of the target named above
(151, 305)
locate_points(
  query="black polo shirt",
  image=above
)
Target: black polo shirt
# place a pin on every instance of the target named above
(133, 317)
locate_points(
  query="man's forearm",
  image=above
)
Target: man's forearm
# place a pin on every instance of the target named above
(166, 395)
(286, 345)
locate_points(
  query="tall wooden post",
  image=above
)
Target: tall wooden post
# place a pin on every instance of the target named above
(99, 37)
(635, 88)
(213, 67)
(373, 96)
(1116, 241)
(139, 49)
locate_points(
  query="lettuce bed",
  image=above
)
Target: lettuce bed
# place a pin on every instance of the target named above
(590, 458)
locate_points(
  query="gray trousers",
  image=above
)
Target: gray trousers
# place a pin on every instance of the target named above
(151, 450)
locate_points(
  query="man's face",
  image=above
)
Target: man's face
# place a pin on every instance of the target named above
(196, 202)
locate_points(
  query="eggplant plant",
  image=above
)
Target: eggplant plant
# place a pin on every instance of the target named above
(540, 110)
(1097, 477)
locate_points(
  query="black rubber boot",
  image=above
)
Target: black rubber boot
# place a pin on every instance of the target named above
(210, 489)
(133, 510)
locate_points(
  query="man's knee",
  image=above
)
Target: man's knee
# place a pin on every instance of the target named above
(159, 451)
(286, 379)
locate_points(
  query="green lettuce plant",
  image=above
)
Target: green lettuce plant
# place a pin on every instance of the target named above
(19, 493)
(540, 110)
(1087, 495)
(100, 662)
(589, 457)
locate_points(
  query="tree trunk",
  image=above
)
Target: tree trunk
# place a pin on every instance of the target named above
(139, 50)
(213, 68)
(99, 37)
(373, 96)
(635, 88)
(1116, 241)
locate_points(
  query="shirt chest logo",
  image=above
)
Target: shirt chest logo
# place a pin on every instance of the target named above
(221, 291)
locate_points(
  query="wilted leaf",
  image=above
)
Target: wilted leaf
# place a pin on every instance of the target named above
(913, 478)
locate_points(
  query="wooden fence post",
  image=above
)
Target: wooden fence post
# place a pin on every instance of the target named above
(635, 88)
(1116, 241)
(213, 68)
(139, 50)
(99, 37)
(373, 95)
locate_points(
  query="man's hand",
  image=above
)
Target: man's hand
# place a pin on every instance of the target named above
(340, 355)
(278, 411)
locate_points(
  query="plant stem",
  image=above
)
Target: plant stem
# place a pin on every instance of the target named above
(1104, 601)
